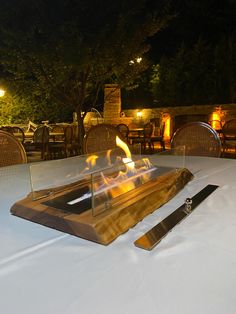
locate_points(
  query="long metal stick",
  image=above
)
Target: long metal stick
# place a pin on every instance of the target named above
(151, 238)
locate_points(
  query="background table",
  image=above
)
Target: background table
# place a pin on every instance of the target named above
(192, 270)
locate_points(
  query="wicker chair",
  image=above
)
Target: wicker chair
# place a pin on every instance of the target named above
(198, 138)
(101, 137)
(11, 150)
(124, 130)
(57, 129)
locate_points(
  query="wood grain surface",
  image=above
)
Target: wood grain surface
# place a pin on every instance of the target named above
(125, 211)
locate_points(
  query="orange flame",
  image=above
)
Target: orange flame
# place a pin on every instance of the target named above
(120, 181)
(121, 178)
(123, 146)
(91, 161)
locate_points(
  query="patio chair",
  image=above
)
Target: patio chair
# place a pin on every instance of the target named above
(101, 137)
(40, 142)
(62, 148)
(134, 132)
(68, 140)
(158, 137)
(57, 129)
(18, 133)
(198, 139)
(124, 130)
(11, 150)
(145, 138)
(229, 135)
(76, 146)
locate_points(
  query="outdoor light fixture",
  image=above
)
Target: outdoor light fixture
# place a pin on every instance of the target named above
(137, 60)
(2, 92)
(139, 114)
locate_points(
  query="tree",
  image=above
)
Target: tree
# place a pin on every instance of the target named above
(200, 74)
(68, 49)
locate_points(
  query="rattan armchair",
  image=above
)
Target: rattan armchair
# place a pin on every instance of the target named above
(101, 137)
(124, 130)
(198, 139)
(11, 150)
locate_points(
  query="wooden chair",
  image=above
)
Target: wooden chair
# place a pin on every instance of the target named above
(68, 140)
(229, 135)
(134, 132)
(60, 149)
(76, 147)
(198, 138)
(11, 150)
(145, 138)
(40, 142)
(158, 137)
(101, 137)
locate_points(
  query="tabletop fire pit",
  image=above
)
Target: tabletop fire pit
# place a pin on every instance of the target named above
(100, 196)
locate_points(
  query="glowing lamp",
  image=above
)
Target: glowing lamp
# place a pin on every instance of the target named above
(139, 114)
(2, 92)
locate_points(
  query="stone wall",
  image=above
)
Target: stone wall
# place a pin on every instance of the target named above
(223, 112)
(173, 117)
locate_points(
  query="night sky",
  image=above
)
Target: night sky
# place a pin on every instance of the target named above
(209, 20)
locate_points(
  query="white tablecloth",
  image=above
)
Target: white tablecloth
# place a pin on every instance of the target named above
(192, 270)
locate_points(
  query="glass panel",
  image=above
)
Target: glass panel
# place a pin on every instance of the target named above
(49, 175)
(97, 181)
(123, 177)
(109, 185)
(171, 157)
(52, 176)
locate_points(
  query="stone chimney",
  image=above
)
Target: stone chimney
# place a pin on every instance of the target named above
(112, 105)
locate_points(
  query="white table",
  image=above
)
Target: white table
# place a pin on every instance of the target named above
(192, 270)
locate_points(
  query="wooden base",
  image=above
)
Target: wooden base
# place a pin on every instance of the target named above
(126, 211)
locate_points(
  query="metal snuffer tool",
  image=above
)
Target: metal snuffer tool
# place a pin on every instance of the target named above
(151, 238)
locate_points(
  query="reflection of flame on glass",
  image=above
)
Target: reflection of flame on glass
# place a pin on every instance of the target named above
(122, 176)
(91, 161)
